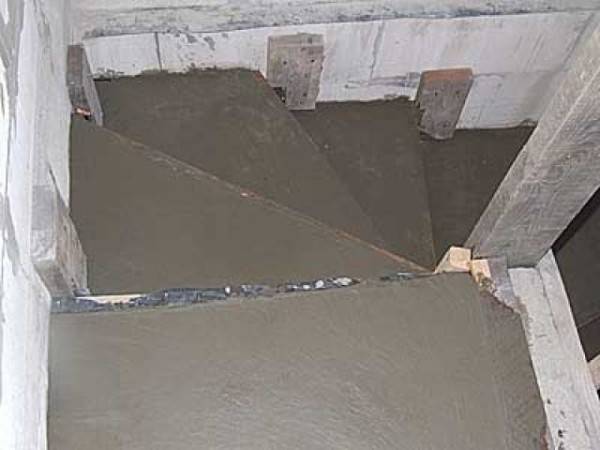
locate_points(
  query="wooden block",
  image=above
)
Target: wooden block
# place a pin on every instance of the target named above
(441, 97)
(456, 259)
(295, 63)
(56, 251)
(82, 89)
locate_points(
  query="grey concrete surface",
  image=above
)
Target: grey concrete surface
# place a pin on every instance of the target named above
(375, 149)
(462, 175)
(423, 364)
(149, 222)
(113, 17)
(231, 124)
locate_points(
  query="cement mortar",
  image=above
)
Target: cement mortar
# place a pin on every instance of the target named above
(424, 364)
(148, 222)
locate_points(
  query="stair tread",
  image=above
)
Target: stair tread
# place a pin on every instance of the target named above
(147, 221)
(231, 123)
(369, 366)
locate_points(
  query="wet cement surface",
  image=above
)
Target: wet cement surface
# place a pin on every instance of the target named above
(148, 222)
(231, 123)
(422, 364)
(420, 195)
(462, 176)
(375, 149)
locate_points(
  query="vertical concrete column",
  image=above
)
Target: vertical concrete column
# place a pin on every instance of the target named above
(555, 174)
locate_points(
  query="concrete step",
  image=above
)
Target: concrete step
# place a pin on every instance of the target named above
(377, 365)
(231, 123)
(148, 221)
(376, 150)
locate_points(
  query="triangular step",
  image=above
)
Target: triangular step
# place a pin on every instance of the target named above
(231, 123)
(147, 221)
(427, 364)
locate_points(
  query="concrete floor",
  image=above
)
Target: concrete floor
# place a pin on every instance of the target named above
(424, 364)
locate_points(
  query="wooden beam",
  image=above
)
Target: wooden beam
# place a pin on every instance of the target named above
(441, 97)
(82, 89)
(570, 401)
(294, 67)
(554, 175)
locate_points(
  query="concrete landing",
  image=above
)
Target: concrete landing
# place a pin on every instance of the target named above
(231, 124)
(425, 364)
(149, 222)
(374, 147)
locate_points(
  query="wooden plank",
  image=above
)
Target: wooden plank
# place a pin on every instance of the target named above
(441, 97)
(82, 89)
(295, 63)
(572, 407)
(456, 259)
(554, 175)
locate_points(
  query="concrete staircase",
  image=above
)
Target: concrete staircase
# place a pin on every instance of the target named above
(287, 325)
(206, 180)
(148, 221)
(231, 124)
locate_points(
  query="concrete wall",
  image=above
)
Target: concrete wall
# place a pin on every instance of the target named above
(517, 59)
(34, 121)
(114, 17)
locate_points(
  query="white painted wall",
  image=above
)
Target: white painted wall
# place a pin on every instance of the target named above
(517, 59)
(34, 121)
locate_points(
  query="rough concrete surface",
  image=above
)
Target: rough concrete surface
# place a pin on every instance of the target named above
(148, 222)
(374, 147)
(231, 124)
(110, 17)
(417, 365)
